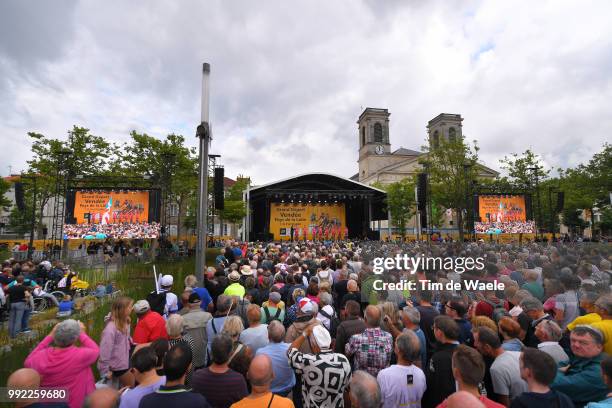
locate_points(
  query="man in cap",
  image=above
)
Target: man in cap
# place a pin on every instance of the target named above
(150, 326)
(272, 311)
(306, 312)
(194, 324)
(235, 288)
(314, 368)
(171, 299)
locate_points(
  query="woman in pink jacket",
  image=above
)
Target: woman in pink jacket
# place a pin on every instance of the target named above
(61, 364)
(115, 344)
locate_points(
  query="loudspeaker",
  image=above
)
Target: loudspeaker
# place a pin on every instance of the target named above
(218, 188)
(422, 192)
(19, 200)
(45, 231)
(528, 212)
(560, 201)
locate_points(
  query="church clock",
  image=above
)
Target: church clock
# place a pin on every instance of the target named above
(380, 149)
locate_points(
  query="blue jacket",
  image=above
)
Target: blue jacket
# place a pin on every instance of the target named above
(582, 382)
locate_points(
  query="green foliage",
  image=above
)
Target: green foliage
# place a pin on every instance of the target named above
(5, 203)
(451, 167)
(235, 207)
(522, 169)
(400, 202)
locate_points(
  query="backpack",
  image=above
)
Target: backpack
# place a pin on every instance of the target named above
(157, 301)
(270, 318)
(334, 322)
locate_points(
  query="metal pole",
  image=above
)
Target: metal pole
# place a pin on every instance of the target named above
(203, 133)
(32, 223)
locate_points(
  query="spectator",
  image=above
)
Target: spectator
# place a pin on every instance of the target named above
(65, 365)
(457, 309)
(221, 385)
(284, 378)
(256, 336)
(603, 307)
(174, 327)
(428, 313)
(215, 325)
(403, 383)
(532, 285)
(161, 347)
(143, 363)
(371, 349)
(307, 310)
(469, 370)
(177, 364)
(581, 378)
(538, 369)
(192, 282)
(272, 310)
(235, 288)
(171, 304)
(606, 373)
(18, 296)
(566, 303)
(150, 325)
(587, 303)
(353, 324)
(352, 293)
(505, 370)
(194, 324)
(241, 354)
(314, 368)
(28, 379)
(102, 398)
(327, 314)
(260, 376)
(364, 390)
(549, 334)
(439, 373)
(115, 343)
(510, 330)
(534, 310)
(66, 306)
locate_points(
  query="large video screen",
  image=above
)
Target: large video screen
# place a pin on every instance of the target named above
(111, 214)
(326, 221)
(503, 214)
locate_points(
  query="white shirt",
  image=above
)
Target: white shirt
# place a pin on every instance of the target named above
(402, 386)
(171, 303)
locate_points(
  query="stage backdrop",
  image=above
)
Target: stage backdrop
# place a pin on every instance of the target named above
(501, 208)
(110, 207)
(306, 217)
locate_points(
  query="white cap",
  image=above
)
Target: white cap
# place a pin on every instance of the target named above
(321, 336)
(167, 280)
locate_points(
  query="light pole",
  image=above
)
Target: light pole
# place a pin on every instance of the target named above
(537, 187)
(203, 133)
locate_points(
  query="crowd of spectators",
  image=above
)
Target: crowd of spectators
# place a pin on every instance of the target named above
(142, 230)
(506, 227)
(302, 325)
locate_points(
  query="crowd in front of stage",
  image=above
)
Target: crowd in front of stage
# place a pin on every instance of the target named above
(126, 230)
(301, 325)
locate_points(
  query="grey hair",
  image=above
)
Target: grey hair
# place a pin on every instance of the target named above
(365, 389)
(326, 299)
(552, 330)
(224, 303)
(589, 295)
(66, 333)
(530, 304)
(191, 281)
(605, 303)
(412, 313)
(276, 331)
(174, 325)
(408, 345)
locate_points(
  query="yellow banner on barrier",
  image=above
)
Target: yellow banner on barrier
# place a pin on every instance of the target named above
(325, 221)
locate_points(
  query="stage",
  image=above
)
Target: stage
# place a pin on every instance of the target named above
(312, 206)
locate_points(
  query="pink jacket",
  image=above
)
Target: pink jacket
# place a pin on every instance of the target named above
(114, 349)
(67, 368)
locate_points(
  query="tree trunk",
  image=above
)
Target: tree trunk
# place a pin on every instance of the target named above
(460, 223)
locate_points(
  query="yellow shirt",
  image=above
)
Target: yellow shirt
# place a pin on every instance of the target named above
(606, 328)
(263, 401)
(586, 319)
(235, 289)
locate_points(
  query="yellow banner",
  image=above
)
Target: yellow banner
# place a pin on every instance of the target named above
(306, 221)
(111, 207)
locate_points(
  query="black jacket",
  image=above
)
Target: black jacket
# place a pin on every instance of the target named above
(439, 375)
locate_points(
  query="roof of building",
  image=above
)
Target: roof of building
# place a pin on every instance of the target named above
(406, 152)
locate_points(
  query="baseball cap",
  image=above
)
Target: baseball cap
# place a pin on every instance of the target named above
(321, 336)
(194, 298)
(167, 280)
(141, 306)
(306, 306)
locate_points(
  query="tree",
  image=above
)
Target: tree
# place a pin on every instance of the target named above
(235, 207)
(452, 165)
(522, 169)
(400, 202)
(5, 186)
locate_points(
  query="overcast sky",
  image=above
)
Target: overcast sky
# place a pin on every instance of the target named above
(290, 78)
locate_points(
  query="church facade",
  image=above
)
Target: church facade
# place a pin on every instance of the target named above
(379, 163)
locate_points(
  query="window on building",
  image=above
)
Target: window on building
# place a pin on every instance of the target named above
(363, 141)
(435, 140)
(452, 135)
(173, 210)
(224, 229)
(378, 133)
